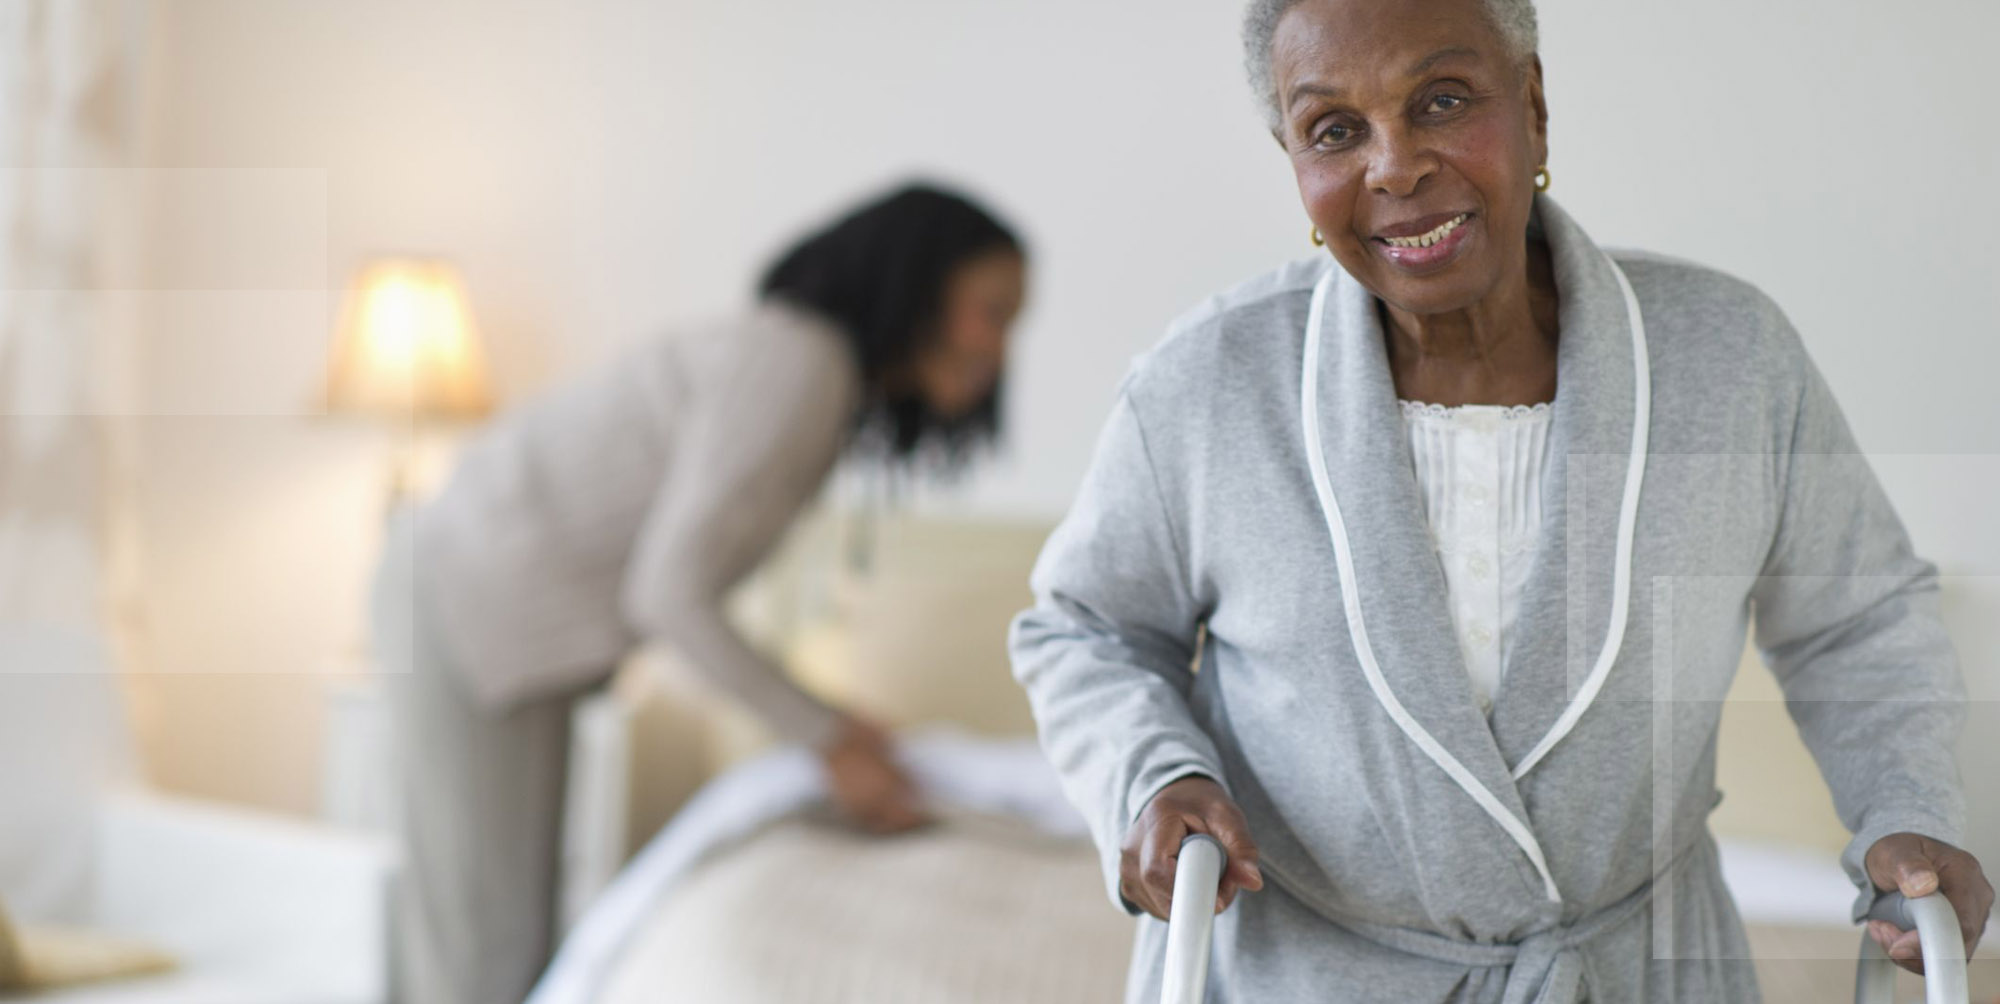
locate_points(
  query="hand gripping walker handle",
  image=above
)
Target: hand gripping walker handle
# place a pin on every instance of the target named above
(1191, 919)
(1936, 925)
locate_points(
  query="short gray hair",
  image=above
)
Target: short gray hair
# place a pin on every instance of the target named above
(1514, 19)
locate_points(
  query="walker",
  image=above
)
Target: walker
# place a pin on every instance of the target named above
(1191, 923)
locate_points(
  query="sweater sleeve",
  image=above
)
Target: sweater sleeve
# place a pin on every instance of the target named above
(1848, 618)
(751, 454)
(1105, 653)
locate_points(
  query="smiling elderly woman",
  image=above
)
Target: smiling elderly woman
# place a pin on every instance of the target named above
(1416, 572)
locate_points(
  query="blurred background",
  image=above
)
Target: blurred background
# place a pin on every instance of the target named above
(191, 190)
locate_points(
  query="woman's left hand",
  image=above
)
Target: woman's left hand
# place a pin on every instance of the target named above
(1918, 866)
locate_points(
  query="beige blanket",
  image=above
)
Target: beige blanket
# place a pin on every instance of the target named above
(807, 912)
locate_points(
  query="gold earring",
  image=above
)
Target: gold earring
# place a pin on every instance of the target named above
(1542, 179)
(1318, 241)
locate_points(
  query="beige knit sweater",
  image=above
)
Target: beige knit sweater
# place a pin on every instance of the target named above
(625, 505)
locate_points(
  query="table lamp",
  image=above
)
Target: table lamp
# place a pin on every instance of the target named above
(406, 352)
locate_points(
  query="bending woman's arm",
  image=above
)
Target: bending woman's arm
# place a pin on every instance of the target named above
(753, 452)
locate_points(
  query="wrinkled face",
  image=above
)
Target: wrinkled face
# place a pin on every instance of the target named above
(1415, 138)
(958, 371)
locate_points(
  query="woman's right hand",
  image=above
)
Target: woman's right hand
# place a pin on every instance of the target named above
(1193, 804)
(867, 784)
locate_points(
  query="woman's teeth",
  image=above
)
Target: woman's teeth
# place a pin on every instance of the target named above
(1426, 240)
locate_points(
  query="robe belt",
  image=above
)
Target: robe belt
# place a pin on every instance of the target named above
(1546, 967)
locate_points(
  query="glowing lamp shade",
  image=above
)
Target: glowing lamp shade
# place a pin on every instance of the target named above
(406, 347)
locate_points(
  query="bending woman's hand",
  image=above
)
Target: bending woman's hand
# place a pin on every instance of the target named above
(867, 784)
(1918, 866)
(1193, 804)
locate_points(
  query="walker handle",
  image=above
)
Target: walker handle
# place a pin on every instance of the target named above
(1936, 925)
(1191, 919)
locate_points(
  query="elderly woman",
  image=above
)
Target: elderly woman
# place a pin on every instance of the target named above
(1417, 575)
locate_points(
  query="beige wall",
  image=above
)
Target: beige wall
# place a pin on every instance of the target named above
(291, 140)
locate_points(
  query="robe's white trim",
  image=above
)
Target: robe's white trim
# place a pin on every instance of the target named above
(1628, 514)
(1635, 471)
(1350, 597)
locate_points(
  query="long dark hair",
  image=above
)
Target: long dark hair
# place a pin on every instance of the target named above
(879, 274)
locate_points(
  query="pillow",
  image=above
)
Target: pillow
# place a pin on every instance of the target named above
(46, 958)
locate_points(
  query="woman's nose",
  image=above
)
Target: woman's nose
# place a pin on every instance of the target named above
(1399, 163)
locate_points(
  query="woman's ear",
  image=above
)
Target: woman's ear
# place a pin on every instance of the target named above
(1538, 106)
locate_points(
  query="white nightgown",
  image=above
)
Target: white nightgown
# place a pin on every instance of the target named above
(1479, 467)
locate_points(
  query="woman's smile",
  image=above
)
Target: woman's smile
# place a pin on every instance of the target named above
(1425, 246)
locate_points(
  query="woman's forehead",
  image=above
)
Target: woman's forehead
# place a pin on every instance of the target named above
(1326, 41)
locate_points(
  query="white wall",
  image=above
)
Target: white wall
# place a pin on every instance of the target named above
(603, 168)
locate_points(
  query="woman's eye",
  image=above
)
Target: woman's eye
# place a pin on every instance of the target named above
(1333, 135)
(1446, 103)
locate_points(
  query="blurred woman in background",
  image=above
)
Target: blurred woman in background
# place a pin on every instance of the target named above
(624, 507)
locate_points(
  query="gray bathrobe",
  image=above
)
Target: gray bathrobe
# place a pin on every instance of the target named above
(1388, 879)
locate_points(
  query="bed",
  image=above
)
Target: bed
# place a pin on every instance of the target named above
(752, 894)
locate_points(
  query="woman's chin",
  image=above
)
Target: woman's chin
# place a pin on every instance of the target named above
(1429, 296)
(1457, 286)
